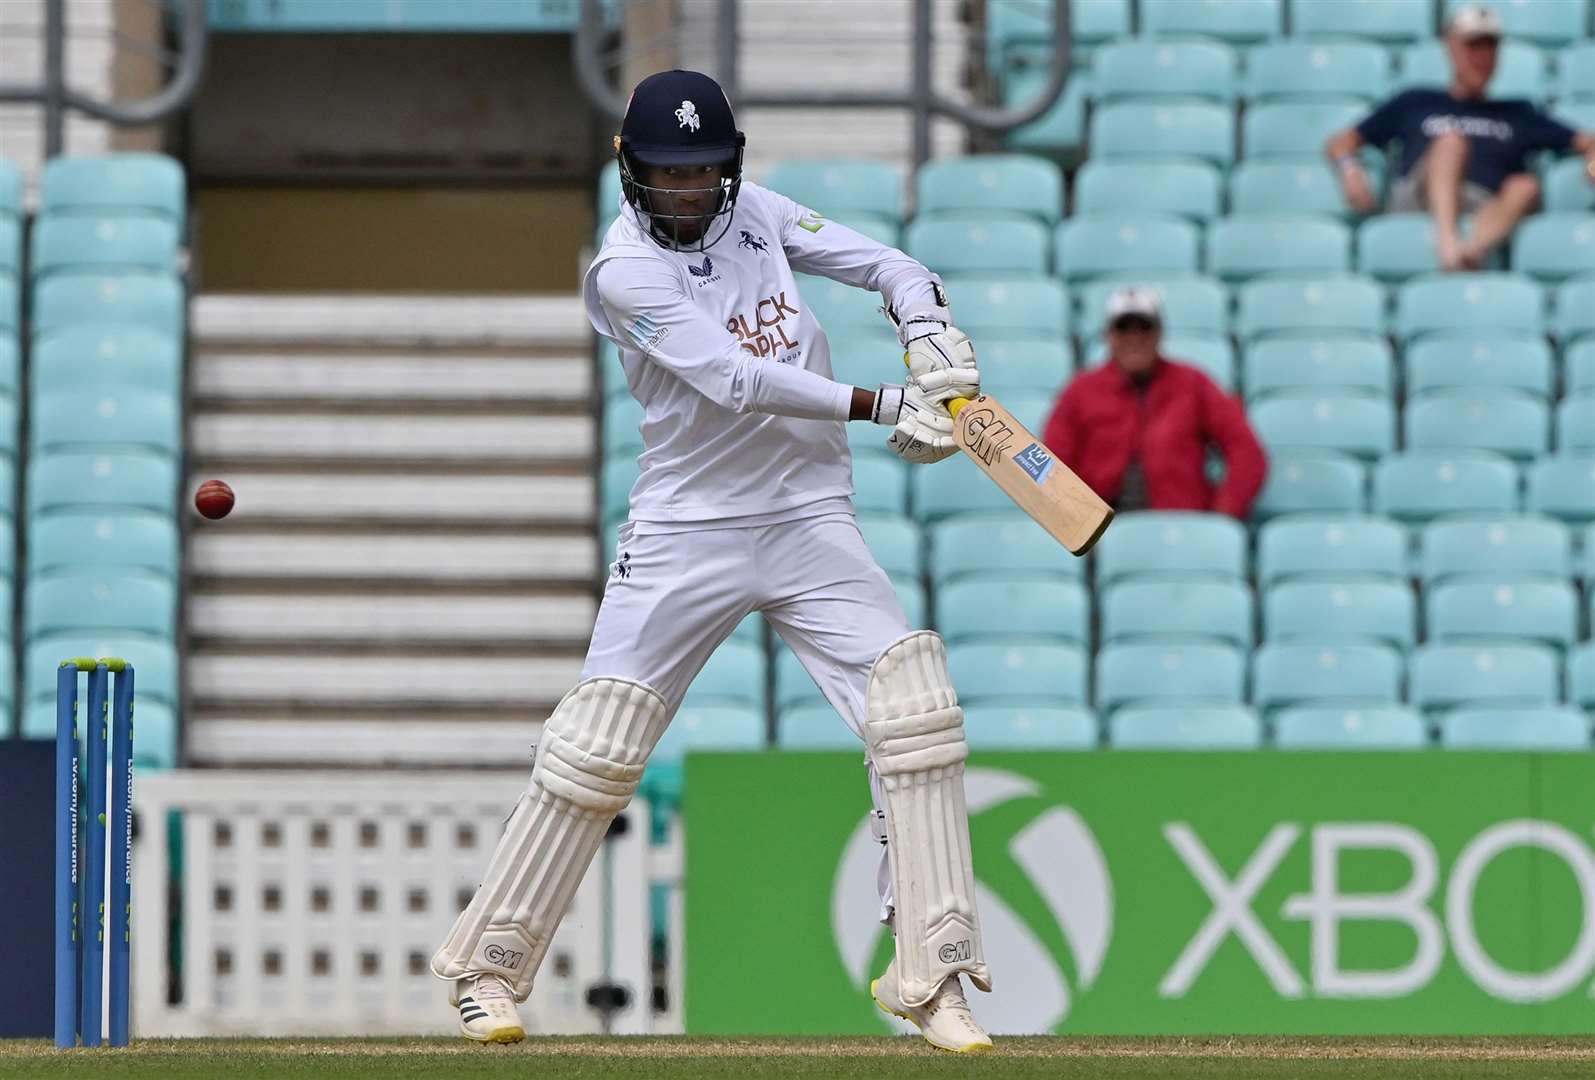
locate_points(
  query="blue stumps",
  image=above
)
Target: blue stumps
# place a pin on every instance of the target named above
(95, 730)
(68, 940)
(121, 825)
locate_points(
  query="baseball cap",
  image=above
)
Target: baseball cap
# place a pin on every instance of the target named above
(679, 118)
(1135, 301)
(1475, 21)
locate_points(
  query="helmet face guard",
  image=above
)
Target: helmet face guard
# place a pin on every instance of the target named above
(654, 206)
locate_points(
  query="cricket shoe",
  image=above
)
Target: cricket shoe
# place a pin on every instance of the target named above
(944, 1020)
(487, 1009)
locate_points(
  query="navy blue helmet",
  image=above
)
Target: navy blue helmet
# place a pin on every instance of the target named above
(681, 120)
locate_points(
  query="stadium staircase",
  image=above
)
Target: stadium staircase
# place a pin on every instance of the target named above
(408, 576)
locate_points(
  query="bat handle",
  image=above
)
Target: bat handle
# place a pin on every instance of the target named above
(956, 405)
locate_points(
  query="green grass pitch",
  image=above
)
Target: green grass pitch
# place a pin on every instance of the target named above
(871, 1058)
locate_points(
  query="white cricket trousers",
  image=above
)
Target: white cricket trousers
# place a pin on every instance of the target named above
(672, 598)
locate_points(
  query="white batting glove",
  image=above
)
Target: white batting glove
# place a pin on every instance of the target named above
(942, 364)
(922, 429)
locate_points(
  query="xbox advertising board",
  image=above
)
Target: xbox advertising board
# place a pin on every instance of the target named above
(1167, 893)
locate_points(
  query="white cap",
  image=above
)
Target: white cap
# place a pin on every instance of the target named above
(1475, 21)
(1135, 300)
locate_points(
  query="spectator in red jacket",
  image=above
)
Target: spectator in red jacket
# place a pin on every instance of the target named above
(1138, 427)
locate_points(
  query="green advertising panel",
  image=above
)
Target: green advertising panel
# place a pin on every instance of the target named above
(1152, 893)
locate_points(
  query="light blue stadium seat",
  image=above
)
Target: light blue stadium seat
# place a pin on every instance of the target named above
(1149, 673)
(10, 365)
(1190, 304)
(10, 245)
(138, 481)
(1388, 21)
(1563, 486)
(1368, 727)
(67, 541)
(1520, 72)
(1567, 189)
(1289, 674)
(1578, 113)
(868, 440)
(815, 726)
(1006, 605)
(1240, 21)
(1172, 609)
(1286, 186)
(1342, 304)
(1122, 246)
(1000, 725)
(1334, 364)
(1009, 306)
(1242, 248)
(999, 542)
(1317, 69)
(838, 187)
(1190, 189)
(108, 356)
(1312, 483)
(1575, 67)
(155, 749)
(115, 184)
(1552, 247)
(1185, 727)
(622, 419)
(1578, 364)
(1499, 420)
(65, 420)
(865, 355)
(9, 426)
(1575, 425)
(911, 595)
(1023, 365)
(1581, 676)
(837, 305)
(1419, 485)
(1330, 546)
(987, 670)
(1027, 23)
(619, 474)
(154, 301)
(709, 727)
(103, 245)
(154, 662)
(1395, 247)
(98, 600)
(735, 674)
(794, 688)
(895, 542)
(1575, 308)
(1503, 609)
(10, 304)
(10, 190)
(1061, 130)
(1031, 410)
(881, 230)
(1479, 364)
(1361, 426)
(1143, 129)
(1511, 546)
(1448, 675)
(750, 629)
(981, 183)
(1295, 129)
(1556, 22)
(1173, 543)
(1470, 303)
(880, 484)
(1195, 70)
(979, 243)
(954, 486)
(1545, 728)
(1341, 611)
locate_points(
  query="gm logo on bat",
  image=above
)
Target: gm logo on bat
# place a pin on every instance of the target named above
(1035, 461)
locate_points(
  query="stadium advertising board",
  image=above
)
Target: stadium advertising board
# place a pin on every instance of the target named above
(1171, 893)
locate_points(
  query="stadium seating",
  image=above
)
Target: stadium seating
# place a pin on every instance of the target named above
(1340, 611)
(1575, 425)
(1240, 248)
(1000, 542)
(1025, 23)
(1165, 543)
(1575, 308)
(66, 420)
(10, 245)
(894, 540)
(1346, 305)
(1146, 129)
(1129, 69)
(993, 305)
(1563, 486)
(1301, 673)
(124, 185)
(1567, 187)
(985, 670)
(100, 600)
(1581, 676)
(1445, 676)
(1380, 727)
(109, 356)
(1283, 70)
(1519, 73)
(1552, 247)
(954, 486)
(1335, 365)
(992, 182)
(879, 484)
(157, 667)
(1469, 303)
(1503, 610)
(1311, 483)
(1190, 304)
(1548, 727)
(1579, 367)
(135, 481)
(734, 675)
(955, 243)
(838, 306)
(841, 188)
(814, 727)
(1240, 21)
(1359, 426)
(1556, 23)
(64, 541)
(1185, 672)
(1395, 247)
(154, 301)
(1419, 485)
(1479, 364)
(1190, 189)
(1286, 186)
(1061, 130)
(1185, 727)
(1331, 546)
(1024, 364)
(1498, 420)
(709, 727)
(103, 245)
(1386, 21)
(1477, 547)
(995, 605)
(1139, 610)
(1295, 129)
(995, 725)
(1121, 245)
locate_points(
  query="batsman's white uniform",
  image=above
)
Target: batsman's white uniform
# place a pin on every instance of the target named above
(742, 505)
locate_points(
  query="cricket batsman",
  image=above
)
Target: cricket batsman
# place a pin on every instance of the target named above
(743, 504)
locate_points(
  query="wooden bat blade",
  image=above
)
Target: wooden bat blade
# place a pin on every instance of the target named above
(1044, 487)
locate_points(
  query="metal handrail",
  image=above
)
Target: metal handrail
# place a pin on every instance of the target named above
(920, 99)
(57, 97)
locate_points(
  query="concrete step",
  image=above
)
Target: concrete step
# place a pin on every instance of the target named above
(223, 375)
(415, 740)
(391, 437)
(429, 321)
(510, 618)
(225, 552)
(404, 679)
(274, 495)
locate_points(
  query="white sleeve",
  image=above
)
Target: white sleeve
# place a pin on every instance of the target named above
(648, 310)
(817, 245)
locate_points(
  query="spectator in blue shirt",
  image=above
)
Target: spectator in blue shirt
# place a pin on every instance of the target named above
(1460, 152)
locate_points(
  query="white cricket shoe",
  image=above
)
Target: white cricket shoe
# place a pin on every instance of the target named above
(944, 1020)
(487, 1009)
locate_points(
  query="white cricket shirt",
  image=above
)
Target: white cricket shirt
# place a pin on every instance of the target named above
(741, 418)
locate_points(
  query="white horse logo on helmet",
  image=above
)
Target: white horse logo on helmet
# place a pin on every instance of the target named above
(688, 115)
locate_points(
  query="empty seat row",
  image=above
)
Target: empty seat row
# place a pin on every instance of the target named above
(1496, 420)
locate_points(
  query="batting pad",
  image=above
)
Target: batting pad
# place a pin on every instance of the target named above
(915, 732)
(587, 767)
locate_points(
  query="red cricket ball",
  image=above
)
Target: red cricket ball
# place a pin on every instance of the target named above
(214, 499)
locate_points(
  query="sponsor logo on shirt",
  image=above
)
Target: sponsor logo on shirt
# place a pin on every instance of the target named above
(811, 221)
(764, 334)
(703, 273)
(647, 333)
(752, 243)
(1035, 461)
(1474, 127)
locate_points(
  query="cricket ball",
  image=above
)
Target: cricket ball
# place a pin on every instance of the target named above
(214, 499)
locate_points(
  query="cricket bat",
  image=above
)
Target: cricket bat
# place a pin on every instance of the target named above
(1044, 487)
